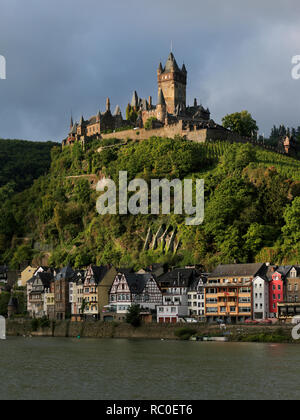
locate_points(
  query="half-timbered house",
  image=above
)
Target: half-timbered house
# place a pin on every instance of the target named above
(130, 288)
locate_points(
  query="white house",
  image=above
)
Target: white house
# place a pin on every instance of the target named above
(175, 305)
(260, 300)
(196, 299)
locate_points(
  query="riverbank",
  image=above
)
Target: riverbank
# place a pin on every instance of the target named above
(99, 329)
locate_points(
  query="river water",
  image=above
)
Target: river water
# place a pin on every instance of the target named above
(66, 368)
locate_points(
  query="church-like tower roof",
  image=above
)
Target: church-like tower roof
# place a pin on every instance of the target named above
(171, 64)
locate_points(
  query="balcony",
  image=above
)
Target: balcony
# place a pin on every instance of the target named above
(226, 294)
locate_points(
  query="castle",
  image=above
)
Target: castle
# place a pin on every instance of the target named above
(170, 111)
(169, 117)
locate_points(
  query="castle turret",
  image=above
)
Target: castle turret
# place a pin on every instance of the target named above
(172, 81)
(107, 105)
(161, 107)
(160, 69)
(135, 100)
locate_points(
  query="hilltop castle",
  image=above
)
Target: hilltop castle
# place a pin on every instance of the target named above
(170, 112)
(169, 117)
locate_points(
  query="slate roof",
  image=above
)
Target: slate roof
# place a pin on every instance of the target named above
(284, 270)
(182, 277)
(65, 273)
(161, 98)
(171, 64)
(137, 282)
(99, 272)
(238, 270)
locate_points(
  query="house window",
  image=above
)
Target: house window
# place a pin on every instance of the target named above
(296, 287)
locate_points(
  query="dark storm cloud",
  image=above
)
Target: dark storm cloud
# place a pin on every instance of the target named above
(72, 54)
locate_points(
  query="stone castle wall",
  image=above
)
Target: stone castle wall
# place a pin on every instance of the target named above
(194, 134)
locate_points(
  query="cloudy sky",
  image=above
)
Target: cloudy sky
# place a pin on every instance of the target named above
(65, 55)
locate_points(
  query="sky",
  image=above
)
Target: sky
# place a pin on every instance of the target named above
(67, 56)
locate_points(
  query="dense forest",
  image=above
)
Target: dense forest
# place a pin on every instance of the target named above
(252, 207)
(23, 161)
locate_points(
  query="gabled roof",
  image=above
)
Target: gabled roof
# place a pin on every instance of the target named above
(65, 273)
(137, 282)
(284, 270)
(238, 270)
(99, 272)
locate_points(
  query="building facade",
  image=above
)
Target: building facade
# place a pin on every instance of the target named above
(228, 292)
(260, 298)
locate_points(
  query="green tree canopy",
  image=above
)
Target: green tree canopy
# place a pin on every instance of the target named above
(242, 123)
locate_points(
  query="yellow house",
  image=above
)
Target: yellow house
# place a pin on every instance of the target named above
(26, 275)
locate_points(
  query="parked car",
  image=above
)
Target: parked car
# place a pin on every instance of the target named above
(191, 320)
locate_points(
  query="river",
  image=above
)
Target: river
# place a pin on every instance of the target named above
(66, 368)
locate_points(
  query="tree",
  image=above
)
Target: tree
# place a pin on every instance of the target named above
(291, 230)
(149, 123)
(242, 123)
(133, 316)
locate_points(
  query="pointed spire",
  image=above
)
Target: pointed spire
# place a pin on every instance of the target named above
(81, 120)
(161, 98)
(98, 116)
(160, 68)
(107, 104)
(117, 111)
(183, 68)
(171, 64)
(135, 99)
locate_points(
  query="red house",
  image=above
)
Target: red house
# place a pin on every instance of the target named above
(276, 288)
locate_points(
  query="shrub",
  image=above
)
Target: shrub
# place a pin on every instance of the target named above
(185, 333)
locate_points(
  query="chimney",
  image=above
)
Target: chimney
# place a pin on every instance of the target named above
(150, 101)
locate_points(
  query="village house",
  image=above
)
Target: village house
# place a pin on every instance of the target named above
(61, 293)
(290, 306)
(260, 299)
(196, 299)
(97, 283)
(175, 305)
(26, 275)
(37, 286)
(49, 301)
(276, 288)
(134, 289)
(228, 292)
(76, 295)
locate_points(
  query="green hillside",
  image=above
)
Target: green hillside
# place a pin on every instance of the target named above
(252, 207)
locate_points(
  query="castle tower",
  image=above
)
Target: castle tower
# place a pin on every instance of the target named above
(172, 81)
